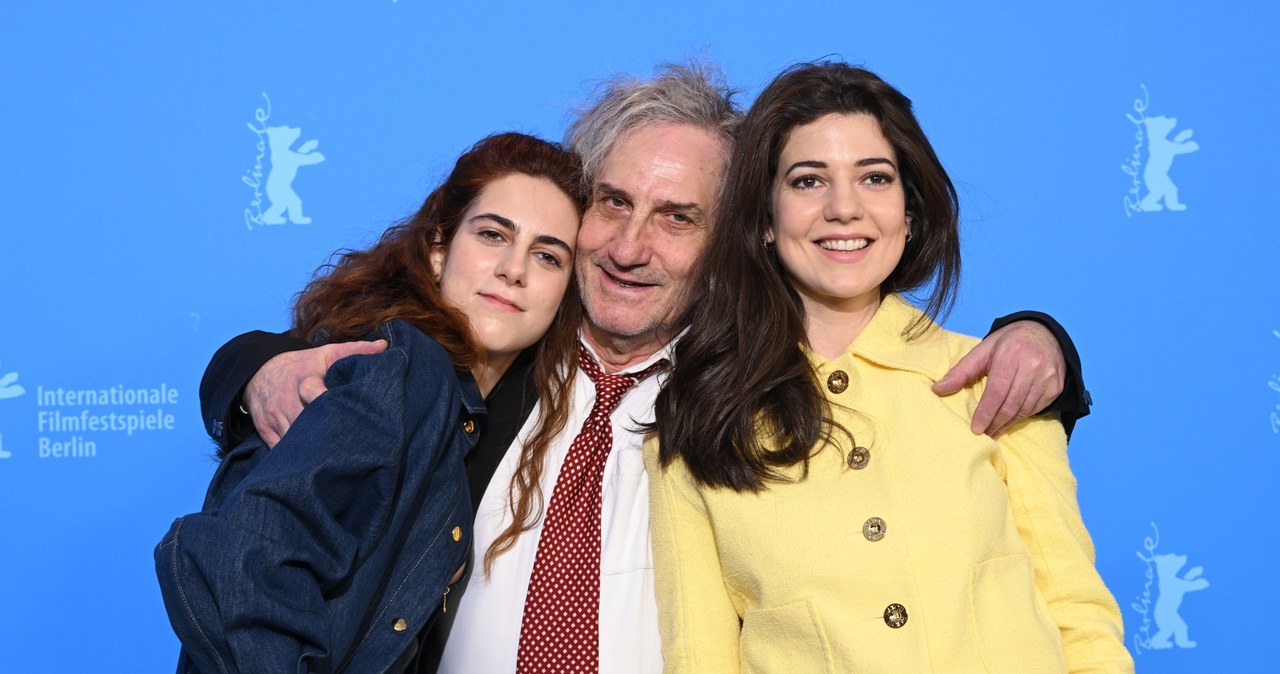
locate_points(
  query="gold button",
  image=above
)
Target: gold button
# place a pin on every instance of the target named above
(469, 426)
(400, 625)
(895, 615)
(838, 381)
(457, 533)
(874, 529)
(859, 458)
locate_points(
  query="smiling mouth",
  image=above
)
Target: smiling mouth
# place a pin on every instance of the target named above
(844, 244)
(624, 283)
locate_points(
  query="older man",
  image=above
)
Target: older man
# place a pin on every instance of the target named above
(569, 596)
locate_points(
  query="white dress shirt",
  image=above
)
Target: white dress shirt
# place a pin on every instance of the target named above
(486, 631)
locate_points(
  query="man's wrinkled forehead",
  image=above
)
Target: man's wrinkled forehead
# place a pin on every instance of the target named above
(676, 153)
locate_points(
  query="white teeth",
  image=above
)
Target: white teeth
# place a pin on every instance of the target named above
(844, 244)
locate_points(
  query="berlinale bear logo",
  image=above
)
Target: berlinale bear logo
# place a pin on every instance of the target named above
(285, 162)
(284, 168)
(1154, 132)
(1170, 588)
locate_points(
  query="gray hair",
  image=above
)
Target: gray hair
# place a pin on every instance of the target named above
(693, 94)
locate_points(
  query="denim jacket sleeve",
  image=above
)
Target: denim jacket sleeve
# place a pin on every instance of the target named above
(296, 544)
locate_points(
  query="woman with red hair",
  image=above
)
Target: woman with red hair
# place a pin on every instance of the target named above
(336, 548)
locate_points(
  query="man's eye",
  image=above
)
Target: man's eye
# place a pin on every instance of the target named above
(490, 235)
(615, 202)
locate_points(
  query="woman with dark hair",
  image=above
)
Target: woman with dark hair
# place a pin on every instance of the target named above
(815, 507)
(336, 549)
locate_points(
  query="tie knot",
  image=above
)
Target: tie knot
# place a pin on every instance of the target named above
(611, 387)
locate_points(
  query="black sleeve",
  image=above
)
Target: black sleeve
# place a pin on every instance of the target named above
(229, 370)
(1075, 400)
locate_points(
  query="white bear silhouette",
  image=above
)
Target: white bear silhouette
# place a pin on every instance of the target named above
(284, 168)
(1172, 588)
(1161, 151)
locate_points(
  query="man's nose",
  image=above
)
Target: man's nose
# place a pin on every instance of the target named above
(631, 243)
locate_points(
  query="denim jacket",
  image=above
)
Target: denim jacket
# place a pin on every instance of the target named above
(333, 550)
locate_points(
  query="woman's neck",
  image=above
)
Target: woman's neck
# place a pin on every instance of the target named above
(488, 374)
(832, 327)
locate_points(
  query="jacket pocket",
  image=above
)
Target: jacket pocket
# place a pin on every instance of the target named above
(787, 638)
(1015, 631)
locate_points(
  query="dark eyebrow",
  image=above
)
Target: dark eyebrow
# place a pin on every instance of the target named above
(553, 241)
(813, 163)
(509, 225)
(505, 223)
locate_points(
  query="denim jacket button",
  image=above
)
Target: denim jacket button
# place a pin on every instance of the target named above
(457, 533)
(469, 426)
(400, 625)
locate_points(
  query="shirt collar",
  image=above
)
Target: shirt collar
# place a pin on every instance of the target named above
(471, 398)
(882, 342)
(664, 352)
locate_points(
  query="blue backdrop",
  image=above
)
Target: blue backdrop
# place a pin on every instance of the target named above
(141, 180)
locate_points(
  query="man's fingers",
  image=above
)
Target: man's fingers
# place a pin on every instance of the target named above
(308, 390)
(339, 350)
(1012, 392)
(1046, 396)
(1018, 406)
(993, 398)
(1030, 407)
(270, 427)
(290, 381)
(269, 437)
(310, 387)
(973, 365)
(277, 420)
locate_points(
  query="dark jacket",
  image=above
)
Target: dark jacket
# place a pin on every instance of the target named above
(333, 550)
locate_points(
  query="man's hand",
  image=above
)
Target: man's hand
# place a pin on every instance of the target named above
(290, 381)
(1025, 372)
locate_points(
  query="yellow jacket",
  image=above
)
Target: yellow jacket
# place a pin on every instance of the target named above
(928, 549)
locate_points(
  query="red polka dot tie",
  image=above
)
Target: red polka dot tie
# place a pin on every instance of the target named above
(560, 632)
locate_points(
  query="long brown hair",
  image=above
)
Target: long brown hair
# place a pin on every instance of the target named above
(393, 279)
(739, 373)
